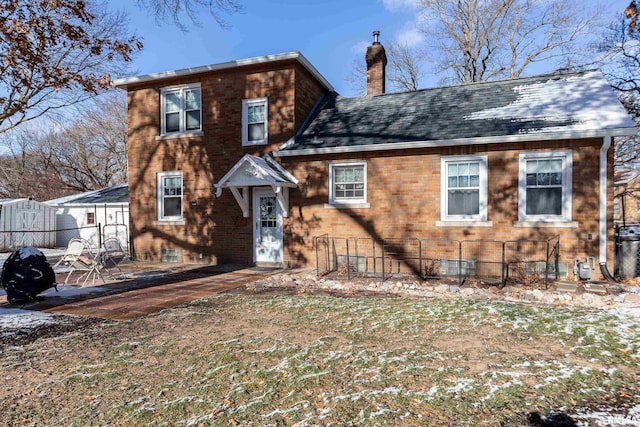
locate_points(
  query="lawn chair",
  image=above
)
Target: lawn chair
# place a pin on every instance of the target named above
(80, 256)
(111, 255)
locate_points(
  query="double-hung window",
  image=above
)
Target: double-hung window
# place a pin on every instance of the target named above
(348, 183)
(181, 109)
(464, 188)
(544, 192)
(170, 196)
(254, 121)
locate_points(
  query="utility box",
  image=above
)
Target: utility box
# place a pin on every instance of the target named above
(584, 269)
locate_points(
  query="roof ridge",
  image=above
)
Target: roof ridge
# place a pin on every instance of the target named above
(484, 82)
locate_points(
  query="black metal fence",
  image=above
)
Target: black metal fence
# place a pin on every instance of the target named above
(491, 261)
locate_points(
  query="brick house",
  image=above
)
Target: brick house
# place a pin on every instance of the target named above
(248, 161)
(626, 204)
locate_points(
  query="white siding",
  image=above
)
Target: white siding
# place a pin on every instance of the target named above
(26, 222)
(72, 223)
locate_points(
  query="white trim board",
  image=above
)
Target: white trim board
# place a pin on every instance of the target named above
(530, 137)
(124, 82)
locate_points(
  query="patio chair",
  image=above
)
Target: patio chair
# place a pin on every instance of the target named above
(80, 256)
(112, 254)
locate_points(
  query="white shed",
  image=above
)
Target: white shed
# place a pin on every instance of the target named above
(87, 215)
(25, 222)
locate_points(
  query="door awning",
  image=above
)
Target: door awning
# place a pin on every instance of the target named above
(253, 171)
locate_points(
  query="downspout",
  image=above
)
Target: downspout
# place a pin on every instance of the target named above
(606, 144)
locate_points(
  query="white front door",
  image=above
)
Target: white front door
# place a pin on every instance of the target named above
(267, 227)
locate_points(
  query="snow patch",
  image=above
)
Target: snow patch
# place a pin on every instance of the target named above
(585, 102)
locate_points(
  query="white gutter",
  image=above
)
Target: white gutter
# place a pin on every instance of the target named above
(606, 144)
(600, 133)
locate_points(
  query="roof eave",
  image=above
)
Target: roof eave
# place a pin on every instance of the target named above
(629, 131)
(124, 82)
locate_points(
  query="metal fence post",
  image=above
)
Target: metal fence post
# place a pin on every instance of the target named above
(460, 263)
(420, 256)
(382, 273)
(317, 260)
(502, 267)
(546, 267)
(348, 261)
(373, 244)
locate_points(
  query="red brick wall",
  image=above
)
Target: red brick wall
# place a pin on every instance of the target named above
(213, 228)
(404, 196)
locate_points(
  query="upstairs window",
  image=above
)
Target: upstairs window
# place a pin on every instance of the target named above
(254, 121)
(464, 188)
(545, 186)
(91, 218)
(348, 183)
(170, 196)
(181, 109)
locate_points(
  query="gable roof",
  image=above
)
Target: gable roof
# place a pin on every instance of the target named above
(255, 171)
(534, 108)
(124, 82)
(117, 194)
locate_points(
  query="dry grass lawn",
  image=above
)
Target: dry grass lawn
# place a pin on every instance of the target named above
(278, 359)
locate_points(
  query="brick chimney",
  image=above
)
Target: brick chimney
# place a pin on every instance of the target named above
(376, 64)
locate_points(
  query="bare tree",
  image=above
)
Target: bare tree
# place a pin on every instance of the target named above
(85, 152)
(56, 53)
(405, 67)
(22, 174)
(619, 49)
(479, 40)
(175, 9)
(89, 152)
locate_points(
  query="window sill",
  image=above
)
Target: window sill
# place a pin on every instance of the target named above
(463, 223)
(169, 222)
(547, 224)
(178, 135)
(252, 144)
(355, 205)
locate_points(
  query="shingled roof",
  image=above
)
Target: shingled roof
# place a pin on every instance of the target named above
(551, 106)
(116, 194)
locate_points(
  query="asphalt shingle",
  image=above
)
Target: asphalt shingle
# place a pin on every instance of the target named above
(551, 103)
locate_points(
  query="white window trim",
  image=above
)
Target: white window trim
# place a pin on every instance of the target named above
(359, 203)
(481, 218)
(163, 117)
(245, 121)
(567, 178)
(160, 195)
